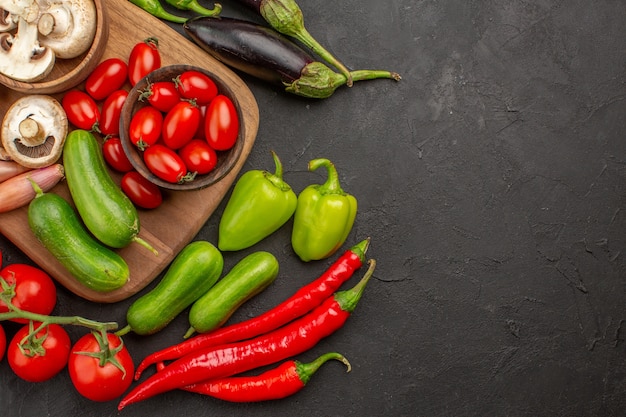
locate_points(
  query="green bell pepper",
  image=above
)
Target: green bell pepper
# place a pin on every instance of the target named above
(260, 204)
(324, 216)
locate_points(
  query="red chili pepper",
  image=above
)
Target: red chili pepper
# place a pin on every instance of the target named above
(301, 302)
(226, 360)
(287, 379)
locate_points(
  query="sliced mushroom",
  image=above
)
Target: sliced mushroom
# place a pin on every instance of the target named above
(34, 131)
(27, 9)
(21, 56)
(6, 21)
(68, 27)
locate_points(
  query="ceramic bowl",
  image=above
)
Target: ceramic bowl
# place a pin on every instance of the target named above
(68, 73)
(226, 159)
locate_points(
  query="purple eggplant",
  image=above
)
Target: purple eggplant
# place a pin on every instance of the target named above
(264, 53)
(286, 17)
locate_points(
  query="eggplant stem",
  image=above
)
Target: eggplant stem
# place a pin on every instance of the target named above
(362, 75)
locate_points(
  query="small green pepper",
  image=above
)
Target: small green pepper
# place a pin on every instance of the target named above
(260, 204)
(194, 6)
(324, 216)
(155, 8)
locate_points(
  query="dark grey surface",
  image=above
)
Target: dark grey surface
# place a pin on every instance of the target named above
(492, 181)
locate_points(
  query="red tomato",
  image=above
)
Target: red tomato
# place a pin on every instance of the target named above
(194, 85)
(144, 58)
(82, 110)
(162, 95)
(180, 124)
(145, 127)
(110, 113)
(115, 156)
(165, 163)
(221, 125)
(3, 342)
(34, 289)
(141, 192)
(198, 156)
(95, 381)
(44, 358)
(108, 76)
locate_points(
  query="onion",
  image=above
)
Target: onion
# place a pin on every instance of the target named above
(18, 191)
(10, 169)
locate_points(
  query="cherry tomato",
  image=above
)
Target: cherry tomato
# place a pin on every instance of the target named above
(34, 289)
(110, 113)
(145, 127)
(165, 163)
(194, 85)
(221, 124)
(82, 110)
(115, 156)
(141, 192)
(108, 76)
(198, 156)
(144, 58)
(180, 124)
(162, 95)
(42, 360)
(95, 381)
(3, 342)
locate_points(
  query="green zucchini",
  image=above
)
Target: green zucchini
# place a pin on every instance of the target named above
(104, 208)
(194, 270)
(58, 227)
(247, 278)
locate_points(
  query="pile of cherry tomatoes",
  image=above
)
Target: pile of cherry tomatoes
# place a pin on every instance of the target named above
(180, 130)
(51, 350)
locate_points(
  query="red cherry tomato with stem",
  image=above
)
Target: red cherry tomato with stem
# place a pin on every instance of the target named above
(145, 127)
(141, 192)
(144, 58)
(221, 123)
(198, 156)
(111, 111)
(180, 124)
(108, 76)
(90, 377)
(162, 95)
(34, 289)
(165, 163)
(81, 109)
(197, 86)
(114, 155)
(41, 357)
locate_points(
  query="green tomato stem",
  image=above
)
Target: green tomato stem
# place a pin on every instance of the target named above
(7, 294)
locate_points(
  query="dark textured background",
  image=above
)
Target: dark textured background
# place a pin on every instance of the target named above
(492, 180)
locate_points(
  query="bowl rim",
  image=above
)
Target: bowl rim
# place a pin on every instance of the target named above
(80, 72)
(133, 154)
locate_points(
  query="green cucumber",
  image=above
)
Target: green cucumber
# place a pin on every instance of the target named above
(247, 278)
(104, 208)
(58, 227)
(191, 274)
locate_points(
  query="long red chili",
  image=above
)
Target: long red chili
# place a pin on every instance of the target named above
(301, 302)
(234, 358)
(286, 379)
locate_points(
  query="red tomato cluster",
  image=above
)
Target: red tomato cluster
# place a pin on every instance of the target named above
(183, 126)
(180, 130)
(48, 350)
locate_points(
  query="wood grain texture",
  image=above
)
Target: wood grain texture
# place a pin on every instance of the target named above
(170, 227)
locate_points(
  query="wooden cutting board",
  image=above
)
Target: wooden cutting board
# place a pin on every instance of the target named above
(175, 223)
